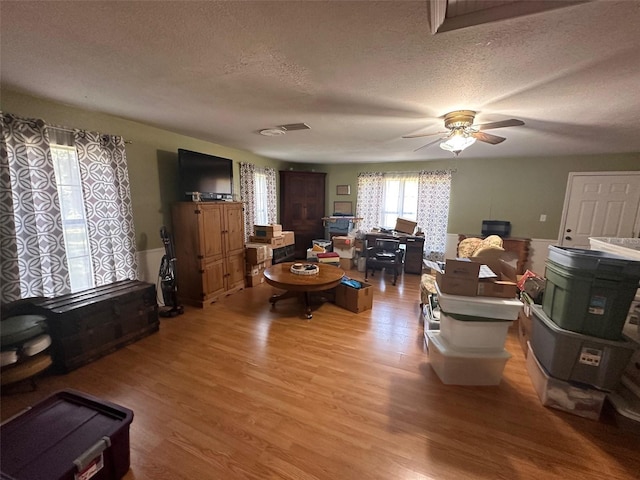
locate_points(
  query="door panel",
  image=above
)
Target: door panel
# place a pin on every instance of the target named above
(606, 204)
(212, 226)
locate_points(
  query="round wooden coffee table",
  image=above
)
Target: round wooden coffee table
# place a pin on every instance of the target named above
(280, 276)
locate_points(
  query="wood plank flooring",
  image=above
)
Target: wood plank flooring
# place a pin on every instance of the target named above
(244, 391)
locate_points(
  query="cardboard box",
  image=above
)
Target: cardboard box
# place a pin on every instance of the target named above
(342, 242)
(504, 285)
(259, 268)
(461, 278)
(268, 231)
(347, 252)
(354, 299)
(257, 253)
(289, 237)
(273, 241)
(254, 280)
(405, 226)
(346, 263)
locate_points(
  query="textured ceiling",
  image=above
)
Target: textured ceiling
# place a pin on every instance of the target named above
(361, 74)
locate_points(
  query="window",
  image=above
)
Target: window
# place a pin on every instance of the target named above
(260, 180)
(400, 199)
(74, 224)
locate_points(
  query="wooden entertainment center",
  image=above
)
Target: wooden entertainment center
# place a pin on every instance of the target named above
(209, 246)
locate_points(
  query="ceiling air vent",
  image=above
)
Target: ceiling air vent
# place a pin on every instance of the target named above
(295, 126)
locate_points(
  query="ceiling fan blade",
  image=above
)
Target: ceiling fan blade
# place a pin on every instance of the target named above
(429, 144)
(424, 134)
(513, 122)
(488, 138)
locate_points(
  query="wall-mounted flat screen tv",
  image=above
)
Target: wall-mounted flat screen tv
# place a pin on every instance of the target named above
(210, 176)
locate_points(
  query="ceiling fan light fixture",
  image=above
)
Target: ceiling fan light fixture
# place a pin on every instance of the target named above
(457, 142)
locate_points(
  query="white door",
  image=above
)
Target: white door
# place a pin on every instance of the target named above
(600, 204)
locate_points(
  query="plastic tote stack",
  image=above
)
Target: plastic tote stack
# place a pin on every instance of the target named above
(469, 348)
(578, 350)
(625, 399)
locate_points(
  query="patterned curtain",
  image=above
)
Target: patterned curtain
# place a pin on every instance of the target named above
(248, 196)
(107, 198)
(434, 190)
(32, 254)
(370, 198)
(272, 196)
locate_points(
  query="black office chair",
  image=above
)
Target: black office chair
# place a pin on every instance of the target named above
(384, 254)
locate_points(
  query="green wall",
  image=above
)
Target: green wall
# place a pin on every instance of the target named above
(514, 189)
(152, 157)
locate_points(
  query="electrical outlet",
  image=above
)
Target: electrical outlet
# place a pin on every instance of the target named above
(543, 218)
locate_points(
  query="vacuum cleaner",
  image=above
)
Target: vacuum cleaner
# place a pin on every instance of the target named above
(167, 274)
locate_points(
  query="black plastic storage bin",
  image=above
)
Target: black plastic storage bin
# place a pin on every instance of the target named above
(589, 291)
(67, 436)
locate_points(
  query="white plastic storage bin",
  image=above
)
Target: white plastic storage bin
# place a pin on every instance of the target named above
(474, 333)
(456, 367)
(625, 403)
(625, 247)
(579, 400)
(488, 307)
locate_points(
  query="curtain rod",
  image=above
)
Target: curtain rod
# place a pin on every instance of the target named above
(72, 130)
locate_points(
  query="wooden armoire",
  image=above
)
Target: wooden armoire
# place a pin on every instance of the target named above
(209, 248)
(302, 198)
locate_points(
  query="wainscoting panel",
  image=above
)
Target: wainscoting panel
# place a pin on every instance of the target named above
(149, 267)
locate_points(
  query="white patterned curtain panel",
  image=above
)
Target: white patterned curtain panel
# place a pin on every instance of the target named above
(370, 198)
(434, 192)
(248, 173)
(32, 254)
(248, 196)
(272, 195)
(109, 213)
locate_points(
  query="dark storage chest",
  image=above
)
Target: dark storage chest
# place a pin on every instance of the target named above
(89, 324)
(69, 435)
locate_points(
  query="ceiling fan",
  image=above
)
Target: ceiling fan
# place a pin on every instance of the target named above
(463, 133)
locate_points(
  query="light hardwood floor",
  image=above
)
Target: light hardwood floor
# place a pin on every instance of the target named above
(240, 390)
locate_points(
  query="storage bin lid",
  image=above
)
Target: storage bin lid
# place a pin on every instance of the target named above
(472, 318)
(625, 247)
(448, 351)
(489, 307)
(581, 258)
(57, 431)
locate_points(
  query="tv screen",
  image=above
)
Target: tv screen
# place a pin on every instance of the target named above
(210, 175)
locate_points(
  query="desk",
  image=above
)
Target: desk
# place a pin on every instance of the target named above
(414, 247)
(280, 276)
(518, 246)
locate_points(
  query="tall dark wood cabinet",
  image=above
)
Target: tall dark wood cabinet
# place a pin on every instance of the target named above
(302, 196)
